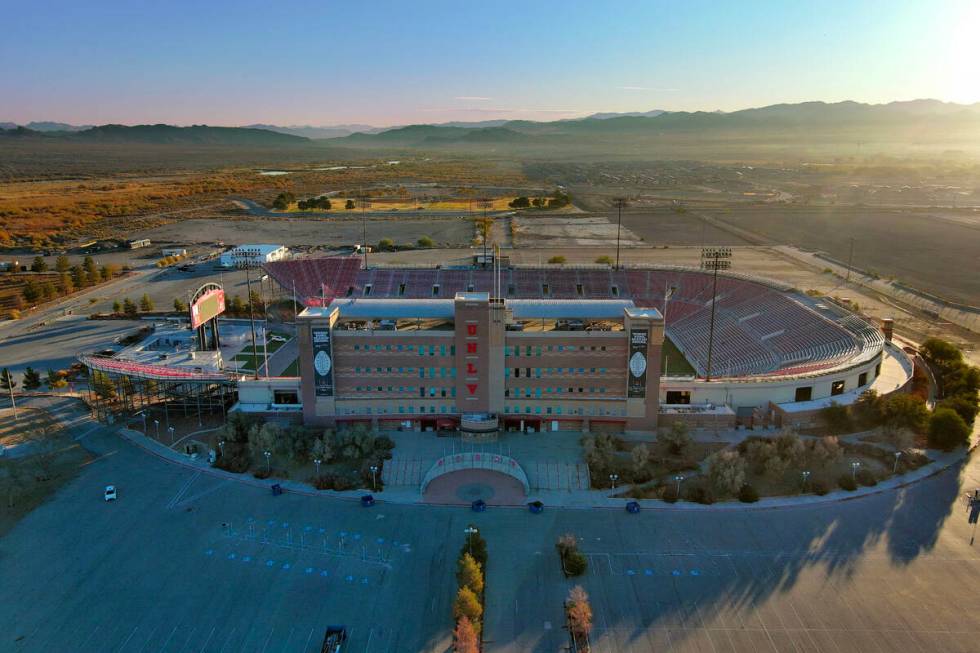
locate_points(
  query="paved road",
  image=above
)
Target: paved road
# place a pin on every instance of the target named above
(156, 571)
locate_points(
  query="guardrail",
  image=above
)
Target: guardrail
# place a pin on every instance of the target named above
(476, 460)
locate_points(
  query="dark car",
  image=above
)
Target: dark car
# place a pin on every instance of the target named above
(333, 639)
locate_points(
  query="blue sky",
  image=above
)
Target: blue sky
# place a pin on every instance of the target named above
(239, 62)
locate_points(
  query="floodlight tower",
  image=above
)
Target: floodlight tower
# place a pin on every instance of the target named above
(714, 259)
(619, 203)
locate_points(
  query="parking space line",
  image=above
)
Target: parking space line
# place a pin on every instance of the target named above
(210, 635)
(169, 637)
(133, 632)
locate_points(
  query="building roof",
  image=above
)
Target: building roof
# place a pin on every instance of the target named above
(393, 309)
(595, 309)
(261, 248)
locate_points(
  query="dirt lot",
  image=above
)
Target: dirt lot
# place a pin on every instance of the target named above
(29, 477)
(316, 231)
(932, 250)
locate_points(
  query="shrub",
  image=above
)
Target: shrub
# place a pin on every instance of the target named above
(676, 437)
(323, 482)
(866, 477)
(557, 260)
(670, 494)
(819, 486)
(901, 410)
(469, 574)
(947, 430)
(699, 494)
(468, 605)
(836, 418)
(261, 473)
(425, 241)
(726, 471)
(604, 260)
(748, 494)
(576, 563)
(464, 637)
(847, 482)
(579, 613)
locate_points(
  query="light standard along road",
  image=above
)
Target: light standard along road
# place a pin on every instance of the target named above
(679, 478)
(613, 478)
(268, 461)
(898, 454)
(374, 478)
(317, 461)
(156, 423)
(470, 531)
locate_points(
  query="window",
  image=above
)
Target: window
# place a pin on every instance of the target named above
(804, 393)
(837, 388)
(350, 290)
(615, 291)
(469, 287)
(578, 289)
(285, 397)
(367, 290)
(545, 289)
(435, 290)
(863, 378)
(877, 370)
(401, 289)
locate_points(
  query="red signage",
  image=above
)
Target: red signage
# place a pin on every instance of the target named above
(471, 348)
(471, 387)
(471, 329)
(470, 368)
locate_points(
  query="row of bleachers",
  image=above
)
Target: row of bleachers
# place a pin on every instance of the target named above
(758, 329)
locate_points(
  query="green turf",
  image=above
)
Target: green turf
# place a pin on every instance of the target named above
(678, 365)
(292, 369)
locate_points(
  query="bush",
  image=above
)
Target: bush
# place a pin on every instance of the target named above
(261, 473)
(425, 241)
(575, 563)
(467, 604)
(557, 260)
(670, 494)
(748, 494)
(819, 486)
(947, 430)
(866, 477)
(699, 494)
(847, 482)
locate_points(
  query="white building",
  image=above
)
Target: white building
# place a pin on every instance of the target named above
(173, 251)
(244, 256)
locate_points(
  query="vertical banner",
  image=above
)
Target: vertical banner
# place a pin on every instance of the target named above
(637, 385)
(322, 362)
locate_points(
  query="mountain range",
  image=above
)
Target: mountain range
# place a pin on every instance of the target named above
(908, 121)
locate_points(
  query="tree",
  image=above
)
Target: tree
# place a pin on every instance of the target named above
(90, 270)
(464, 637)
(349, 205)
(32, 380)
(235, 305)
(425, 241)
(61, 264)
(676, 438)
(102, 385)
(604, 260)
(836, 418)
(65, 282)
(56, 379)
(726, 471)
(469, 574)
(31, 292)
(321, 449)
(7, 380)
(579, 612)
(640, 456)
(947, 430)
(557, 260)
(907, 411)
(468, 605)
(386, 244)
(519, 203)
(116, 307)
(825, 451)
(262, 438)
(78, 276)
(146, 304)
(179, 305)
(130, 309)
(963, 405)
(39, 265)
(867, 409)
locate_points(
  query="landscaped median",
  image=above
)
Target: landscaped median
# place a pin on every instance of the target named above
(469, 604)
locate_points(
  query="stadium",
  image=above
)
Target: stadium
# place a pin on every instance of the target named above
(774, 355)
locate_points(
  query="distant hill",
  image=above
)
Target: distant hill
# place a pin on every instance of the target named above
(817, 122)
(327, 131)
(45, 126)
(166, 135)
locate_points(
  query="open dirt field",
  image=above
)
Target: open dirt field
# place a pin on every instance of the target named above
(316, 231)
(572, 231)
(927, 249)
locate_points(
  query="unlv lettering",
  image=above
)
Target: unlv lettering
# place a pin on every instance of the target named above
(470, 368)
(471, 348)
(471, 329)
(471, 387)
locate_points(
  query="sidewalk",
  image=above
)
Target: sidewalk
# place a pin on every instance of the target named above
(569, 499)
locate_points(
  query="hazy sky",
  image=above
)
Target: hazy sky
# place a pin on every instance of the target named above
(324, 62)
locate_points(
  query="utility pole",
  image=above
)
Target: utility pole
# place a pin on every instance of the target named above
(714, 258)
(251, 318)
(620, 203)
(364, 245)
(850, 261)
(10, 386)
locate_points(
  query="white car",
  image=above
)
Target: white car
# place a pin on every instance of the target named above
(110, 493)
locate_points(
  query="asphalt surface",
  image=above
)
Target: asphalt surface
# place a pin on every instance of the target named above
(158, 571)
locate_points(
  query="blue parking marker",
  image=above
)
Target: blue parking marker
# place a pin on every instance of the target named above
(231, 556)
(209, 552)
(324, 573)
(630, 572)
(676, 572)
(285, 524)
(648, 572)
(246, 558)
(343, 533)
(309, 570)
(271, 522)
(322, 530)
(269, 563)
(285, 565)
(364, 581)
(380, 540)
(357, 536)
(695, 572)
(307, 528)
(349, 579)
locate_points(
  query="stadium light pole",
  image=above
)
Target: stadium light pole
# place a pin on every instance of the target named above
(714, 259)
(620, 203)
(251, 319)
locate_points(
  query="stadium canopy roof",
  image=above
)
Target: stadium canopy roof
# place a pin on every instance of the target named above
(595, 309)
(410, 309)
